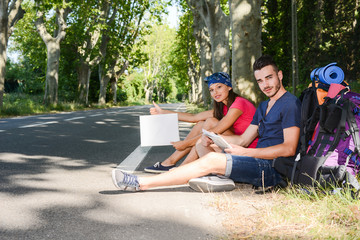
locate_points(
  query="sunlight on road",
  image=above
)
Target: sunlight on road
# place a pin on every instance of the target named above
(79, 191)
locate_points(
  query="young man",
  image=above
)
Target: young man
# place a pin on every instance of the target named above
(276, 123)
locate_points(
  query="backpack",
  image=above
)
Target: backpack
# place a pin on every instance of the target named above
(332, 154)
(329, 141)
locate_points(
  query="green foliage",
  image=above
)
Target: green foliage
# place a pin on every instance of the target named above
(184, 48)
(24, 77)
(133, 86)
(276, 35)
(27, 41)
(328, 31)
(158, 70)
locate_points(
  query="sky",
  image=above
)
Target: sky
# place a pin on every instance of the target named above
(173, 18)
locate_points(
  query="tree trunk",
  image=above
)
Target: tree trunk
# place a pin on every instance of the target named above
(113, 71)
(202, 36)
(149, 88)
(84, 78)
(104, 79)
(3, 55)
(52, 72)
(53, 51)
(10, 13)
(114, 89)
(246, 46)
(218, 25)
(85, 51)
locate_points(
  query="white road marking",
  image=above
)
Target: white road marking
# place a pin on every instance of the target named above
(38, 124)
(134, 159)
(74, 118)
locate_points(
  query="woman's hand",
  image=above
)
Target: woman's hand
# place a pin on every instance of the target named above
(156, 109)
(180, 145)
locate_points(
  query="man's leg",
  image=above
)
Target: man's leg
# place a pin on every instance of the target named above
(211, 163)
(255, 171)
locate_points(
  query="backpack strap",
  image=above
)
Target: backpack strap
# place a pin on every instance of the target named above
(354, 129)
(341, 127)
(352, 181)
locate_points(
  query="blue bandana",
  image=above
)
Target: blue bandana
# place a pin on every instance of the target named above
(219, 77)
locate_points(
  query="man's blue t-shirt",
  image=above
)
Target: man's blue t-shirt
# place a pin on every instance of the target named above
(285, 113)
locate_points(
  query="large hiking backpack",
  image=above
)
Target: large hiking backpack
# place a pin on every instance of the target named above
(314, 96)
(332, 158)
(330, 142)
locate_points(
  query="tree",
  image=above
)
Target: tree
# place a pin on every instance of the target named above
(157, 68)
(124, 34)
(88, 26)
(52, 45)
(203, 50)
(246, 45)
(218, 25)
(10, 13)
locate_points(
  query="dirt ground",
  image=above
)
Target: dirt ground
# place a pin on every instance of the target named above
(245, 208)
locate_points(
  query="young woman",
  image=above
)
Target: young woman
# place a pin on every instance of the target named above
(231, 115)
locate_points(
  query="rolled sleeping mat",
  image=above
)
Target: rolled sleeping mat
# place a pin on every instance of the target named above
(328, 74)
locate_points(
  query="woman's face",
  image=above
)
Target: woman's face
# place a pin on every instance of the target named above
(219, 92)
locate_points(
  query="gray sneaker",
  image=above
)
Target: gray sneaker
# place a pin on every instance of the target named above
(212, 184)
(125, 181)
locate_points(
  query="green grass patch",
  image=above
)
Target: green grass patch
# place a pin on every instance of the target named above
(19, 104)
(195, 108)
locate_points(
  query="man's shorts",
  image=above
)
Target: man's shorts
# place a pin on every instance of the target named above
(255, 171)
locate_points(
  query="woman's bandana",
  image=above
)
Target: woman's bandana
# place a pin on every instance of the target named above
(219, 77)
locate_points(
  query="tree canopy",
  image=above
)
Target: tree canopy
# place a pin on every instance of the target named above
(121, 51)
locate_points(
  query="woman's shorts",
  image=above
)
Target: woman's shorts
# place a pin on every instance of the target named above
(255, 171)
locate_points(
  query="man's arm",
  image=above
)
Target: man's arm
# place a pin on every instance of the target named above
(285, 149)
(244, 139)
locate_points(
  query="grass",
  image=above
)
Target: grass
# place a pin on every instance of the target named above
(19, 104)
(194, 108)
(290, 214)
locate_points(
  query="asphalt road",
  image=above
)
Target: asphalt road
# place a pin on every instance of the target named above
(55, 181)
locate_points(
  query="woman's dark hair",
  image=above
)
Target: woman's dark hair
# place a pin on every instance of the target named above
(219, 106)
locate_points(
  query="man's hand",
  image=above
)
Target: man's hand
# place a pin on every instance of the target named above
(180, 145)
(156, 109)
(236, 150)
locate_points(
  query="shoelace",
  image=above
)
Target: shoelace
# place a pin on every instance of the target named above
(130, 180)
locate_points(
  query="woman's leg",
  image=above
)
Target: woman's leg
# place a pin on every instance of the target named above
(211, 163)
(177, 155)
(193, 155)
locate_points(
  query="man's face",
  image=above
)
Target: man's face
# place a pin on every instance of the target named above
(269, 80)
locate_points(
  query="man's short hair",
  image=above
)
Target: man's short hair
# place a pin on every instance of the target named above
(264, 61)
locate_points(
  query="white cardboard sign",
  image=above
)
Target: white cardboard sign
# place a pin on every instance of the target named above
(159, 130)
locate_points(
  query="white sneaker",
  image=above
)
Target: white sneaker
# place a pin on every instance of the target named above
(125, 181)
(212, 184)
